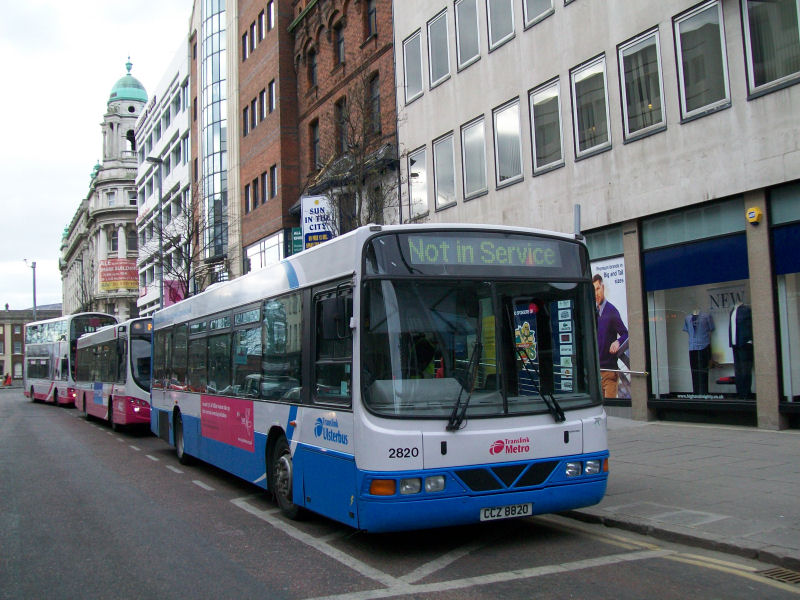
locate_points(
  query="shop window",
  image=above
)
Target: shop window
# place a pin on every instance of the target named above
(643, 95)
(468, 45)
(444, 171)
(772, 43)
(699, 308)
(590, 107)
(545, 109)
(702, 61)
(412, 66)
(417, 183)
(785, 217)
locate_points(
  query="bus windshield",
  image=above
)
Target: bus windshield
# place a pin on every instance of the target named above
(140, 360)
(503, 347)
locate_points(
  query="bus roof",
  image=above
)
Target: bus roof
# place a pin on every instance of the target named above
(109, 332)
(334, 259)
(69, 318)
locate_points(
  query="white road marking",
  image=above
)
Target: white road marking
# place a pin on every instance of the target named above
(404, 585)
(135, 448)
(344, 558)
(174, 469)
(493, 578)
(205, 486)
(153, 458)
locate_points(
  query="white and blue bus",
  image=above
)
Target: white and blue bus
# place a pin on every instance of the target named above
(396, 377)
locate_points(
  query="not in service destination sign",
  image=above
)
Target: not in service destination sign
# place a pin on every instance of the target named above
(469, 250)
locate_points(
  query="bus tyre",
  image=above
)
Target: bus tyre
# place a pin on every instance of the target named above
(33, 397)
(180, 450)
(55, 396)
(281, 483)
(114, 426)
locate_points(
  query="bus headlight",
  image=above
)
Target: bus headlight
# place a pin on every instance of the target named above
(434, 484)
(573, 469)
(410, 486)
(592, 467)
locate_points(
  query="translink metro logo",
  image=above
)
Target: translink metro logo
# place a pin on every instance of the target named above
(510, 446)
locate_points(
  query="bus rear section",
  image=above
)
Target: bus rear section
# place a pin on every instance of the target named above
(113, 373)
(50, 348)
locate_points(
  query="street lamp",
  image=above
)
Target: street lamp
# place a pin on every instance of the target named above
(158, 162)
(33, 266)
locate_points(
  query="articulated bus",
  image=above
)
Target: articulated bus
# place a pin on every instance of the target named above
(396, 377)
(50, 355)
(113, 373)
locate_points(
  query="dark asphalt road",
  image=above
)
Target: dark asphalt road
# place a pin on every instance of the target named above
(89, 513)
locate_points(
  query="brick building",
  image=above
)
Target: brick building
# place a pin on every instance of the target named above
(268, 145)
(12, 336)
(347, 126)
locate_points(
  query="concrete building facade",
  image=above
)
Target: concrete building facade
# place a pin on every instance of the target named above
(674, 126)
(164, 189)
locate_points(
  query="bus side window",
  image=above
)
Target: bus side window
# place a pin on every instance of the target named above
(197, 365)
(159, 358)
(180, 341)
(333, 347)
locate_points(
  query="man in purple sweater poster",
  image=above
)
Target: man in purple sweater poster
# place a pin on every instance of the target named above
(611, 334)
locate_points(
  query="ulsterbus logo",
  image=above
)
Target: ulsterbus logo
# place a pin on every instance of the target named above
(510, 446)
(328, 430)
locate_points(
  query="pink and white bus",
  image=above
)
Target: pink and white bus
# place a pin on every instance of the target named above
(113, 373)
(50, 345)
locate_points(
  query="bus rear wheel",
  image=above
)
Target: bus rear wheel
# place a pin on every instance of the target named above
(180, 449)
(114, 426)
(33, 396)
(281, 484)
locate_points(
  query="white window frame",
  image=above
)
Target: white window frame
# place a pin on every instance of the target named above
(621, 49)
(272, 96)
(496, 114)
(676, 22)
(530, 21)
(494, 44)
(448, 139)
(553, 84)
(417, 185)
(752, 88)
(414, 37)
(574, 74)
(480, 121)
(445, 76)
(459, 22)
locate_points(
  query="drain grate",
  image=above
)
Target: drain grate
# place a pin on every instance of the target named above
(784, 575)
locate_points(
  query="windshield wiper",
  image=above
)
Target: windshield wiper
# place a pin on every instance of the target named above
(552, 404)
(457, 416)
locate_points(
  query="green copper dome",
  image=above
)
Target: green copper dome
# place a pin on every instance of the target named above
(128, 88)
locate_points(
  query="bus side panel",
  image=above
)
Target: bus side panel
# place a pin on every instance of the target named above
(248, 465)
(328, 483)
(97, 400)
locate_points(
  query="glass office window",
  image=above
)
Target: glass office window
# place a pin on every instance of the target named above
(702, 62)
(500, 14)
(473, 158)
(772, 43)
(444, 173)
(412, 65)
(467, 39)
(545, 108)
(417, 183)
(507, 144)
(536, 10)
(643, 95)
(590, 107)
(438, 51)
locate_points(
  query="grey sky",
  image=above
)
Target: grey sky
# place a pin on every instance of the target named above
(59, 63)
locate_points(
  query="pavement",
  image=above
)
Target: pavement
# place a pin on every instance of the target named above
(731, 489)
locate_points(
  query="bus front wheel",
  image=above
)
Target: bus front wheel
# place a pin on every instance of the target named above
(281, 483)
(114, 425)
(33, 396)
(180, 449)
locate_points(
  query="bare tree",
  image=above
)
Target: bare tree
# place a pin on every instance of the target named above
(85, 289)
(358, 168)
(184, 231)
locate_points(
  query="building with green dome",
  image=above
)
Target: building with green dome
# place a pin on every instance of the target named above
(100, 249)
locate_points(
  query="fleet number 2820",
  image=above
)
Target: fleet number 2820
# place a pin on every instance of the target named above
(403, 452)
